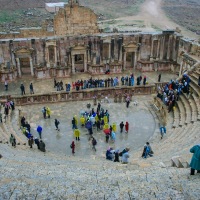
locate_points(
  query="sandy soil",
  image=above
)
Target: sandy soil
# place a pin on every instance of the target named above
(152, 14)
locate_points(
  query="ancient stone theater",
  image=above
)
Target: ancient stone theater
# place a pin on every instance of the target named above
(75, 44)
(60, 82)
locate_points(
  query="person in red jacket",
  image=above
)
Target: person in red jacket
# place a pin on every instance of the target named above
(72, 147)
(126, 127)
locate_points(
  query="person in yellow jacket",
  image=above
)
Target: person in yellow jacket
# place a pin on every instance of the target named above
(106, 126)
(82, 120)
(48, 111)
(105, 118)
(77, 134)
(114, 127)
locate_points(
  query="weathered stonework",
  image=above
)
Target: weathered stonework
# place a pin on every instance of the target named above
(62, 56)
(75, 20)
(75, 45)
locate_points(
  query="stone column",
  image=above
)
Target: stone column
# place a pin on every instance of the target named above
(47, 56)
(135, 60)
(55, 52)
(94, 58)
(120, 42)
(158, 50)
(73, 65)
(88, 56)
(124, 60)
(18, 67)
(162, 47)
(85, 62)
(109, 51)
(151, 56)
(168, 47)
(181, 68)
(31, 65)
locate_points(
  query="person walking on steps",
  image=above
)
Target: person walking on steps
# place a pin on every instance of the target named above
(56, 124)
(195, 162)
(13, 140)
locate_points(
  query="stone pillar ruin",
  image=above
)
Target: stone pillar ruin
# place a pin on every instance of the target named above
(55, 51)
(120, 41)
(73, 65)
(47, 56)
(158, 50)
(85, 62)
(31, 65)
(124, 61)
(181, 68)
(18, 67)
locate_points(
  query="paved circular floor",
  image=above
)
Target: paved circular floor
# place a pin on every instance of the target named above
(142, 126)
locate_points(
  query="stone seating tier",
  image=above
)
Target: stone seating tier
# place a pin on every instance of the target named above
(46, 176)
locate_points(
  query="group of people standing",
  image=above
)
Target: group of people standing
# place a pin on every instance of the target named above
(169, 94)
(26, 130)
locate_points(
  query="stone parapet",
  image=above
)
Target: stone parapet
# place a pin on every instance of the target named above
(83, 95)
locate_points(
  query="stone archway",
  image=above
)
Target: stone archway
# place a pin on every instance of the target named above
(23, 56)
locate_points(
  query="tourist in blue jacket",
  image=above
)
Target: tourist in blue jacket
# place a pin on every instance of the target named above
(195, 162)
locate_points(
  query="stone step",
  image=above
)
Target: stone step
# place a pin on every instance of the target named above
(197, 102)
(4, 135)
(192, 107)
(188, 113)
(176, 117)
(195, 89)
(9, 130)
(181, 112)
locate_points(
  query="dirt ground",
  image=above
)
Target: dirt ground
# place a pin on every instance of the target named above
(154, 18)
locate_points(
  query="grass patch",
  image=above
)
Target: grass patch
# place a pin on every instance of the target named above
(9, 16)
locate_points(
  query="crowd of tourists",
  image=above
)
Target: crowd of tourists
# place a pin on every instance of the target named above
(100, 83)
(170, 92)
(26, 130)
(99, 119)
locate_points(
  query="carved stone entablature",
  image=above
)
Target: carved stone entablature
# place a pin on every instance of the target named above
(23, 51)
(50, 43)
(131, 47)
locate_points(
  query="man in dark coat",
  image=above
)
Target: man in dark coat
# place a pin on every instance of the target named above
(121, 127)
(42, 146)
(159, 77)
(37, 142)
(22, 89)
(56, 124)
(31, 88)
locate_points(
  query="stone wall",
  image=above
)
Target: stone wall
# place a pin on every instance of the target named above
(118, 93)
(63, 56)
(75, 20)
